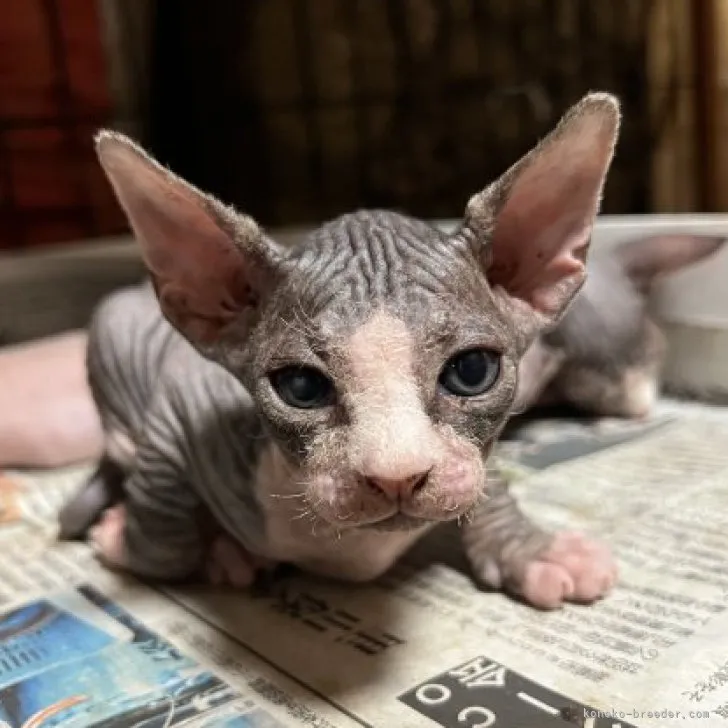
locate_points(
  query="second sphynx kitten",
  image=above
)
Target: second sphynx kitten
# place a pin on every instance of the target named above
(328, 404)
(605, 356)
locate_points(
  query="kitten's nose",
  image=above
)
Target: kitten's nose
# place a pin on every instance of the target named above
(400, 488)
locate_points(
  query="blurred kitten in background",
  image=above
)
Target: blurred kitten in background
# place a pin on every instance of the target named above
(605, 356)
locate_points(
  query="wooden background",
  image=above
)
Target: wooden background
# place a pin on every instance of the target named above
(352, 104)
(53, 95)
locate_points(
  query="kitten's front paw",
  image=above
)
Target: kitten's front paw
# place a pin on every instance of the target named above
(107, 537)
(229, 564)
(572, 568)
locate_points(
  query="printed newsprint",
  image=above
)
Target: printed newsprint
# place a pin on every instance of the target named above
(80, 646)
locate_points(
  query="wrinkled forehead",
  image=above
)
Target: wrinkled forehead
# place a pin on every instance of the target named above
(383, 283)
(368, 263)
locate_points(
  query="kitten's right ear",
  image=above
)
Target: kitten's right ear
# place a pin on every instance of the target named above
(646, 259)
(208, 263)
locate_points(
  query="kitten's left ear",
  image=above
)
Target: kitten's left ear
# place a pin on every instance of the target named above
(533, 225)
(646, 259)
(210, 265)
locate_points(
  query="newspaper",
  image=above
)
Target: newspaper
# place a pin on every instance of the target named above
(82, 646)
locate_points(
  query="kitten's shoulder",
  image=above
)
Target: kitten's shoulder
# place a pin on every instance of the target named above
(200, 385)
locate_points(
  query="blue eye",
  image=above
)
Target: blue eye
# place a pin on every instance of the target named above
(471, 372)
(303, 387)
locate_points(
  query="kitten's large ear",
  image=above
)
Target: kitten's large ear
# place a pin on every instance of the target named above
(646, 259)
(208, 263)
(534, 224)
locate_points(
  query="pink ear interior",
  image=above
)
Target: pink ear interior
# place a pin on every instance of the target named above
(542, 229)
(200, 275)
(645, 259)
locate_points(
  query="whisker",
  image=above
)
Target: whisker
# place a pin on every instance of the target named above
(287, 495)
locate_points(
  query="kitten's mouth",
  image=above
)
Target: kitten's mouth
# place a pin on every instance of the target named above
(398, 521)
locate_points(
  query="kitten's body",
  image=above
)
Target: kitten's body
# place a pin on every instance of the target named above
(606, 354)
(358, 380)
(148, 381)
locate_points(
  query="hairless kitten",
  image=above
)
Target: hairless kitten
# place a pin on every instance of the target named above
(606, 353)
(328, 404)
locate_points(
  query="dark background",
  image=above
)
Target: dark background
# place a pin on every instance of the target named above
(298, 110)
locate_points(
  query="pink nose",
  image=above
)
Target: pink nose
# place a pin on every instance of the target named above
(401, 488)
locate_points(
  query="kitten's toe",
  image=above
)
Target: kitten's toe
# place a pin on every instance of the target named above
(546, 585)
(572, 568)
(107, 537)
(229, 564)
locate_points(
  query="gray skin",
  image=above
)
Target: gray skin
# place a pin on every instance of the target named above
(589, 360)
(182, 371)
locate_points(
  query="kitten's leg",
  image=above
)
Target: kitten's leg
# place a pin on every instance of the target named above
(161, 530)
(105, 487)
(101, 491)
(155, 532)
(508, 551)
(226, 563)
(133, 537)
(125, 339)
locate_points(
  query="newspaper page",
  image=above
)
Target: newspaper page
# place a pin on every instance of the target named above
(80, 646)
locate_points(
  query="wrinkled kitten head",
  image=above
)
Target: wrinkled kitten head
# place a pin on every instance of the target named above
(606, 353)
(382, 353)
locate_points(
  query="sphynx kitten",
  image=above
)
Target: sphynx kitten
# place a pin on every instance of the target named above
(605, 356)
(326, 405)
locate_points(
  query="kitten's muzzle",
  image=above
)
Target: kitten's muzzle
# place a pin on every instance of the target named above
(439, 480)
